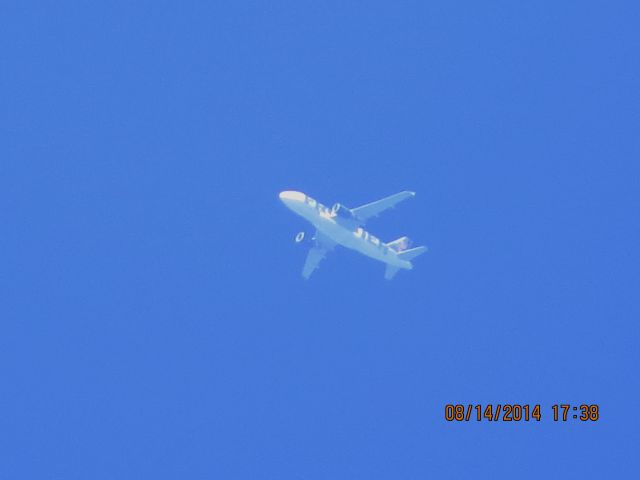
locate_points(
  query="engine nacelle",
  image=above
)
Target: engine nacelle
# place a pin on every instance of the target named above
(339, 210)
(300, 237)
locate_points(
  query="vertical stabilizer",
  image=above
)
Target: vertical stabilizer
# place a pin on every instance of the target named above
(399, 244)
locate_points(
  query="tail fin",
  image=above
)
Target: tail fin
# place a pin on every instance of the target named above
(413, 253)
(400, 244)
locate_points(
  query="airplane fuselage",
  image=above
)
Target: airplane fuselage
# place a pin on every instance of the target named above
(340, 231)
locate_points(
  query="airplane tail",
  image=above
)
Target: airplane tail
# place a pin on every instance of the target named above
(400, 244)
(412, 253)
(408, 255)
(390, 272)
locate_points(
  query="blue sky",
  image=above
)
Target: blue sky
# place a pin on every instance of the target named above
(153, 322)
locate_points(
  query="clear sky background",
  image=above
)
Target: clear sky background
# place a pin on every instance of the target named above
(153, 321)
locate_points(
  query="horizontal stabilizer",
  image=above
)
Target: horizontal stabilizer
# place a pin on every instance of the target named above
(412, 253)
(390, 272)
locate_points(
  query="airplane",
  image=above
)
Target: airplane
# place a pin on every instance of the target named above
(343, 226)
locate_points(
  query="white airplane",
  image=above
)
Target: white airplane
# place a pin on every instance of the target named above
(343, 226)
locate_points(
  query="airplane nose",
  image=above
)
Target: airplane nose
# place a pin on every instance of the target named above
(291, 196)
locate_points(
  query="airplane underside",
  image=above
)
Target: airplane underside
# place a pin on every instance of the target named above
(343, 226)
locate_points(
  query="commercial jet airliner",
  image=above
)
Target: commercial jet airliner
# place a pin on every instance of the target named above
(343, 226)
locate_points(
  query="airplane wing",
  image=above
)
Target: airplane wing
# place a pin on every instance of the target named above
(373, 209)
(323, 245)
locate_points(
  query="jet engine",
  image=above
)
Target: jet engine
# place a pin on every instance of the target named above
(339, 210)
(300, 237)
